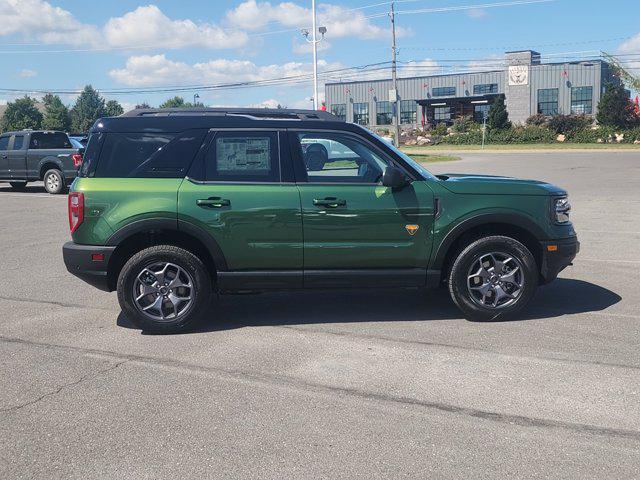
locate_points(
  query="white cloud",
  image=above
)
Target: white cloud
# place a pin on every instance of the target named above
(340, 21)
(145, 70)
(302, 47)
(26, 73)
(271, 103)
(39, 19)
(149, 26)
(477, 13)
(630, 46)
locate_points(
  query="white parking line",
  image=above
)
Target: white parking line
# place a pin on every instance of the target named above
(607, 260)
(32, 195)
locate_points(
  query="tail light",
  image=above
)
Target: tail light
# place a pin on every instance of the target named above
(77, 159)
(76, 210)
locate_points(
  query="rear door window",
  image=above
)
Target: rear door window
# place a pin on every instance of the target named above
(18, 141)
(4, 143)
(147, 155)
(243, 157)
(49, 141)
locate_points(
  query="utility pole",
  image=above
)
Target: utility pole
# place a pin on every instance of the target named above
(393, 95)
(315, 57)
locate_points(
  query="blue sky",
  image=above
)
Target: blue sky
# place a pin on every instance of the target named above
(126, 44)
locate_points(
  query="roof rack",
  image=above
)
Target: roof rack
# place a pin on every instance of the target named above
(255, 113)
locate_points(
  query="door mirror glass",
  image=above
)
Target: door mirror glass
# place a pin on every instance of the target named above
(394, 177)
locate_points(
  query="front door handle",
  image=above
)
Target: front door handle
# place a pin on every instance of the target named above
(4, 156)
(213, 202)
(329, 202)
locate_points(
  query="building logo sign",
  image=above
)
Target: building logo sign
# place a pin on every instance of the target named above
(518, 74)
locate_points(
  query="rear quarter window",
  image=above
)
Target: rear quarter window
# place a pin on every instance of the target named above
(147, 155)
(49, 141)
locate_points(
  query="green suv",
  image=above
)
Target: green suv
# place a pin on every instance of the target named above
(173, 206)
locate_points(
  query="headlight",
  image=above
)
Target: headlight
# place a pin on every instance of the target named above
(561, 210)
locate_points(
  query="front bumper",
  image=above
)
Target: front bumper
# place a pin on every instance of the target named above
(556, 256)
(79, 260)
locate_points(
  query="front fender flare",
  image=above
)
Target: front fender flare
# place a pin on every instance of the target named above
(510, 218)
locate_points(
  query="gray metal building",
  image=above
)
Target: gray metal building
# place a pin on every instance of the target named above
(528, 86)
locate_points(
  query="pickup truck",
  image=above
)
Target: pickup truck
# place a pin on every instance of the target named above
(29, 156)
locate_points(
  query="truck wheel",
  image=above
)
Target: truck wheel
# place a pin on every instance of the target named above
(18, 185)
(164, 289)
(53, 181)
(493, 278)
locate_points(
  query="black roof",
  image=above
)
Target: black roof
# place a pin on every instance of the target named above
(179, 119)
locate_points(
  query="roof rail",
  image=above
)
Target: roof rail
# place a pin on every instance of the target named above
(255, 113)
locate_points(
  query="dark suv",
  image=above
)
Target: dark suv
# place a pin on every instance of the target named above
(173, 205)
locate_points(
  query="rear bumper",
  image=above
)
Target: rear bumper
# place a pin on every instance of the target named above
(79, 261)
(556, 260)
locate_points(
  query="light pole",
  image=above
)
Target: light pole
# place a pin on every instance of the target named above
(393, 97)
(195, 95)
(314, 41)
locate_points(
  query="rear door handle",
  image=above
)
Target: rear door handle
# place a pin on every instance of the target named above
(213, 202)
(329, 202)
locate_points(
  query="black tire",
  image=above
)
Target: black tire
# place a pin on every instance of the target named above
(316, 162)
(53, 181)
(469, 257)
(201, 292)
(18, 185)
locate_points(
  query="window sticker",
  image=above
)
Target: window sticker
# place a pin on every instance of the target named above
(243, 155)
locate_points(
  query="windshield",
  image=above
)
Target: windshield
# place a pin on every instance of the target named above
(423, 171)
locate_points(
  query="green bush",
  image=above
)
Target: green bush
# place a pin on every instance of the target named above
(566, 123)
(440, 129)
(538, 120)
(464, 125)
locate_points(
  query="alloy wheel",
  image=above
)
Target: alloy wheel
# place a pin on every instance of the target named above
(163, 291)
(495, 280)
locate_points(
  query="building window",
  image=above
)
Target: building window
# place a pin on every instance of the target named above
(442, 114)
(485, 88)
(444, 91)
(361, 113)
(479, 112)
(548, 101)
(339, 110)
(408, 111)
(384, 113)
(582, 100)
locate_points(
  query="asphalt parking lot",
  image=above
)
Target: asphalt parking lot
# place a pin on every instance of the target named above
(371, 384)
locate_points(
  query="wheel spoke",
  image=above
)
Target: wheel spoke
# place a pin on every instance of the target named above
(156, 305)
(510, 277)
(146, 290)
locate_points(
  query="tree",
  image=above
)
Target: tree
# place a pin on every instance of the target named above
(178, 102)
(21, 114)
(56, 114)
(498, 118)
(175, 102)
(113, 108)
(88, 108)
(615, 109)
(143, 105)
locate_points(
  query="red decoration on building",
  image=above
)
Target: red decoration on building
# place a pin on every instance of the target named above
(565, 74)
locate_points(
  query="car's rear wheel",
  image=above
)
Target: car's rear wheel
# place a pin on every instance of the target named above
(53, 181)
(18, 185)
(493, 278)
(164, 289)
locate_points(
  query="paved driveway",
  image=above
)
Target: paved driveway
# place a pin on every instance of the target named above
(364, 384)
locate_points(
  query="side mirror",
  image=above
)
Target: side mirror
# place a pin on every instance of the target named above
(394, 177)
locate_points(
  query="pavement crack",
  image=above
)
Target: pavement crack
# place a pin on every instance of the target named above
(292, 382)
(368, 336)
(52, 393)
(51, 302)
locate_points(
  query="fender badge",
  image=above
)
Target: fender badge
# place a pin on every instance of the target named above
(412, 229)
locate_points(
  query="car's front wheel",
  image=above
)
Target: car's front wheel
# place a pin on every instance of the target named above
(493, 278)
(164, 289)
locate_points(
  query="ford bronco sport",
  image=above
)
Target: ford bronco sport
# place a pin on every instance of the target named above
(172, 206)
